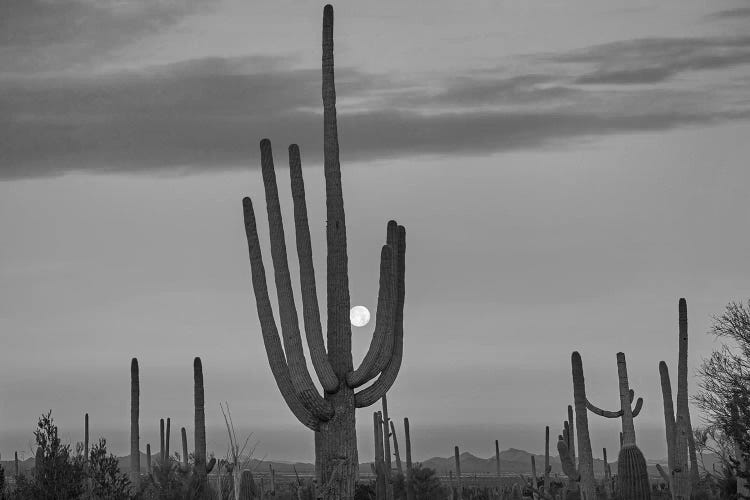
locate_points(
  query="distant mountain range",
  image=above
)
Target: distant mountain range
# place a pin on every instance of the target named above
(512, 461)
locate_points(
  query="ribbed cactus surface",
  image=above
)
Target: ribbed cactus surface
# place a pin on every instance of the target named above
(632, 474)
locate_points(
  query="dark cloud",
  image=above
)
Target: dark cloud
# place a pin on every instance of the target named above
(211, 113)
(41, 35)
(737, 13)
(654, 60)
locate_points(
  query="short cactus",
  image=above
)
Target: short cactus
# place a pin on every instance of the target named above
(632, 474)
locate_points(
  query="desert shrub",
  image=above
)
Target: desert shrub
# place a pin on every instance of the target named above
(427, 485)
(57, 473)
(105, 478)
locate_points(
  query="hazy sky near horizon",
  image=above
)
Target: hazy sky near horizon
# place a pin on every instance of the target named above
(565, 170)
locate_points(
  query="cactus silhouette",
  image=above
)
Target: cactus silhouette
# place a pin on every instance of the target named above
(585, 470)
(632, 475)
(332, 415)
(200, 421)
(626, 411)
(681, 456)
(135, 454)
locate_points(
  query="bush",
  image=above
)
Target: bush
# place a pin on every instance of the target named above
(57, 474)
(105, 478)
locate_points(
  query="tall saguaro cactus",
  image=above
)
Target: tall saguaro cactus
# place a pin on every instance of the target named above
(681, 455)
(200, 420)
(626, 412)
(135, 454)
(585, 455)
(331, 415)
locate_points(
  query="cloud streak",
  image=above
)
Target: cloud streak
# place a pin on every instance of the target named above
(654, 60)
(44, 35)
(209, 113)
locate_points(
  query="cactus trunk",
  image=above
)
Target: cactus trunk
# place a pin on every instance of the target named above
(200, 421)
(148, 458)
(399, 467)
(184, 447)
(628, 430)
(166, 441)
(135, 454)
(497, 457)
(632, 475)
(459, 484)
(377, 424)
(387, 451)
(161, 441)
(86, 439)
(410, 494)
(546, 462)
(585, 455)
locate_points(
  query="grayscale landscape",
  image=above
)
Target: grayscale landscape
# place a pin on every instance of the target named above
(468, 250)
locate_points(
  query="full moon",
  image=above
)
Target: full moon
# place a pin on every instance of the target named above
(359, 315)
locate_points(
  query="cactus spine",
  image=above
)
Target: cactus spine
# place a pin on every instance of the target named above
(200, 421)
(331, 416)
(135, 454)
(585, 455)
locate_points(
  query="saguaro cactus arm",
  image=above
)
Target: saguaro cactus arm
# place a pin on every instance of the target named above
(274, 351)
(568, 466)
(381, 347)
(615, 414)
(310, 311)
(295, 357)
(339, 328)
(377, 390)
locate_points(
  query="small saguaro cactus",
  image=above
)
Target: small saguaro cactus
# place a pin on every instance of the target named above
(626, 411)
(459, 483)
(184, 447)
(410, 493)
(135, 453)
(632, 474)
(86, 438)
(331, 415)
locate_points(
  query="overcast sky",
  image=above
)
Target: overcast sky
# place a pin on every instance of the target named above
(565, 170)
